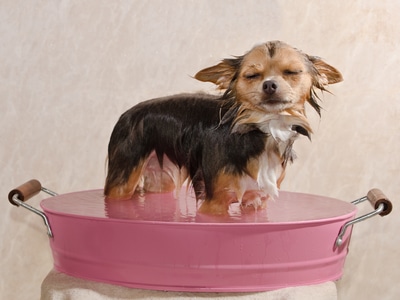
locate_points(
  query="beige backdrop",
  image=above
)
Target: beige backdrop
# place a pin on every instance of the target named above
(68, 69)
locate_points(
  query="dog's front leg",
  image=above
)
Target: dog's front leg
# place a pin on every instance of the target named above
(226, 190)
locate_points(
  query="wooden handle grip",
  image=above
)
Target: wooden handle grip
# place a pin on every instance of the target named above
(25, 191)
(376, 197)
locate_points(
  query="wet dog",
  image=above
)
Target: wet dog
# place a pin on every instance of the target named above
(232, 148)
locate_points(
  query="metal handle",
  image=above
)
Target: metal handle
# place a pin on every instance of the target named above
(378, 200)
(24, 192)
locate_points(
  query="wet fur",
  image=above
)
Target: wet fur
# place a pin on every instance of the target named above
(234, 147)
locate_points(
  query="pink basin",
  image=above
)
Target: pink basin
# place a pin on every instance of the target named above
(159, 242)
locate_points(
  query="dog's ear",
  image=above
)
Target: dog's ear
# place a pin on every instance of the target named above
(326, 74)
(221, 74)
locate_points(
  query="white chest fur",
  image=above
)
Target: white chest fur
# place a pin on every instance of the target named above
(278, 149)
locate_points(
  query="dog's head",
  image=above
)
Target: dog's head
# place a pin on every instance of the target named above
(272, 78)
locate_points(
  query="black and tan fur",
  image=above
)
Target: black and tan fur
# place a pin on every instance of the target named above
(232, 148)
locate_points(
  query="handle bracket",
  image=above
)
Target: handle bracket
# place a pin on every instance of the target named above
(26, 191)
(378, 200)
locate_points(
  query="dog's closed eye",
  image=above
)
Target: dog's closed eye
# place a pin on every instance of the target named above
(292, 72)
(252, 76)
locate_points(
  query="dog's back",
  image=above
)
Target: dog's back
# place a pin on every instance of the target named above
(187, 129)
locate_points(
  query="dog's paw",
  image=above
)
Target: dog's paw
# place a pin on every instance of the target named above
(254, 200)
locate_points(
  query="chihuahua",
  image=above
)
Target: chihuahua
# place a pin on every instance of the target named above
(233, 147)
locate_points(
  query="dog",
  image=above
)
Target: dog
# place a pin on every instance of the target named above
(232, 147)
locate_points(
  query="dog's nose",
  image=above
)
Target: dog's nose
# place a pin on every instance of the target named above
(270, 87)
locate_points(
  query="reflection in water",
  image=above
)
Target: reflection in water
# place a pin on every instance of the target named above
(166, 207)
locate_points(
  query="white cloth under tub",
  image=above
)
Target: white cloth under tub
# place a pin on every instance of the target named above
(59, 286)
